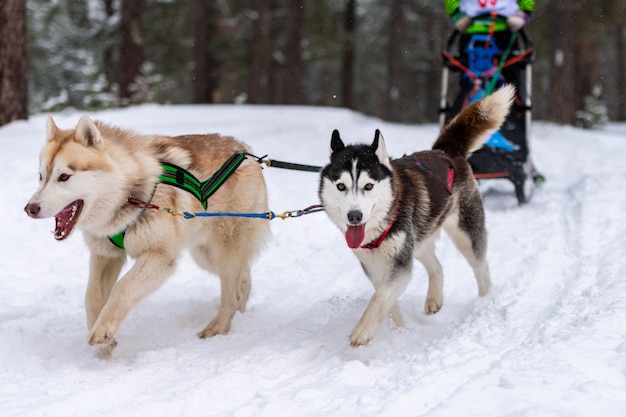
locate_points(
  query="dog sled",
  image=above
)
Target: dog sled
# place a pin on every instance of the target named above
(485, 63)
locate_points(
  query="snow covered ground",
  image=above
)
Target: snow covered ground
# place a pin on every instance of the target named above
(549, 340)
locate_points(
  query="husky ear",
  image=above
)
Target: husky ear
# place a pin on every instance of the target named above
(379, 148)
(87, 133)
(336, 144)
(51, 128)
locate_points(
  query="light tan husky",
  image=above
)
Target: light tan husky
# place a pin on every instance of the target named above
(87, 176)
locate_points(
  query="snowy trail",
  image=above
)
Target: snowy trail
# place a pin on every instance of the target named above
(549, 339)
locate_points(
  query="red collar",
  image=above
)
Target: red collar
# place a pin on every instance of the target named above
(377, 242)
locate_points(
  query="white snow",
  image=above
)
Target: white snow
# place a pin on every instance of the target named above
(548, 340)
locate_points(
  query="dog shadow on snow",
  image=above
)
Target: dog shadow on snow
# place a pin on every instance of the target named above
(169, 320)
(324, 323)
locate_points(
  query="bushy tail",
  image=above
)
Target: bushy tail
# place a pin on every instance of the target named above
(473, 126)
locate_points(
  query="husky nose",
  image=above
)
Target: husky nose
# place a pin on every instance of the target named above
(355, 216)
(32, 209)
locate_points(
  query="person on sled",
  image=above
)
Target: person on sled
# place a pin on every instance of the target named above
(516, 12)
(503, 19)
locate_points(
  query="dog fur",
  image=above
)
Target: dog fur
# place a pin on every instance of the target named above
(400, 205)
(87, 175)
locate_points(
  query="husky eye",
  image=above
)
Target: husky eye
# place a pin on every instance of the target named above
(368, 186)
(40, 177)
(341, 186)
(64, 177)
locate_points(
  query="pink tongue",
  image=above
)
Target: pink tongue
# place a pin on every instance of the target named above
(355, 235)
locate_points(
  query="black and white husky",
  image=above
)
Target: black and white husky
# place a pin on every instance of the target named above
(391, 210)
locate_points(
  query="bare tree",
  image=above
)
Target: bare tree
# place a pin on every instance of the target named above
(615, 11)
(13, 61)
(205, 68)
(620, 43)
(276, 20)
(131, 50)
(108, 58)
(294, 66)
(256, 70)
(347, 70)
(394, 63)
(563, 95)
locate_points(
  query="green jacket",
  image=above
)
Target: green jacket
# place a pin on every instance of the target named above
(485, 25)
(526, 6)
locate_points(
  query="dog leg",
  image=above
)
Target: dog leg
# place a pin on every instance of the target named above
(396, 315)
(148, 273)
(233, 269)
(425, 253)
(384, 299)
(377, 275)
(483, 276)
(103, 272)
(243, 290)
(474, 252)
(234, 294)
(479, 265)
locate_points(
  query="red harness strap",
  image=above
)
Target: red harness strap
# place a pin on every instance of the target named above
(377, 242)
(450, 179)
(459, 65)
(489, 73)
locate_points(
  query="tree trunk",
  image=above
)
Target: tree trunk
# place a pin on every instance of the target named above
(256, 70)
(108, 58)
(621, 70)
(394, 63)
(205, 69)
(563, 97)
(294, 66)
(13, 61)
(131, 50)
(274, 86)
(347, 67)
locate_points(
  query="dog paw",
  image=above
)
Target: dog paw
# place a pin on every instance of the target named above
(213, 329)
(106, 349)
(103, 340)
(432, 305)
(483, 288)
(99, 336)
(361, 336)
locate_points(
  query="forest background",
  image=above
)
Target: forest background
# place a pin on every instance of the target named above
(378, 57)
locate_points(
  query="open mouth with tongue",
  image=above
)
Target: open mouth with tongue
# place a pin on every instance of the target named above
(355, 235)
(66, 219)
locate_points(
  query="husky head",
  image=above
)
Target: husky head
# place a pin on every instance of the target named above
(356, 188)
(76, 177)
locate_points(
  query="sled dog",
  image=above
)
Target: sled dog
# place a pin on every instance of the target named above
(88, 176)
(392, 210)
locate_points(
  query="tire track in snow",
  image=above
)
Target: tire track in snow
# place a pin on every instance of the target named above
(561, 297)
(541, 283)
(588, 308)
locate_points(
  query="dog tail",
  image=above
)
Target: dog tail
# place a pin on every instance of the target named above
(471, 128)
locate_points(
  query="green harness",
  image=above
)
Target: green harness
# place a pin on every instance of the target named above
(179, 177)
